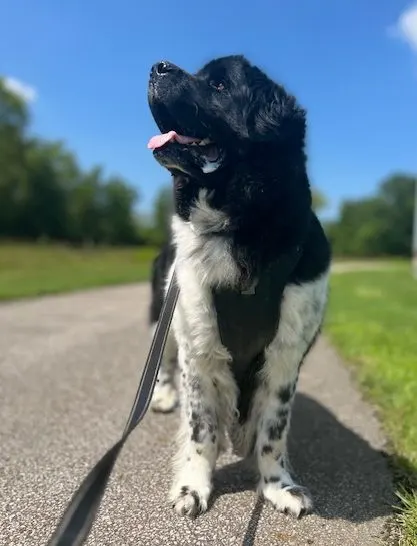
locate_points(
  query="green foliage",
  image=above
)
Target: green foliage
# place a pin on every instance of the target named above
(407, 517)
(161, 218)
(44, 194)
(378, 226)
(13, 183)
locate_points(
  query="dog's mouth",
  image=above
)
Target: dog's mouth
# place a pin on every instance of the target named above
(205, 153)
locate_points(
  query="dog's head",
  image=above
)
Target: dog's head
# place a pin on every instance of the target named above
(214, 116)
(227, 122)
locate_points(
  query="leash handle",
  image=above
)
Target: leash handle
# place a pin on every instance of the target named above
(78, 518)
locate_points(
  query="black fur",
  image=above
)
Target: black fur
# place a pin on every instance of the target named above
(262, 183)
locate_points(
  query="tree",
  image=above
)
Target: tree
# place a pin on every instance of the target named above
(162, 212)
(377, 226)
(397, 202)
(86, 208)
(13, 111)
(13, 175)
(45, 194)
(52, 176)
(119, 223)
(357, 232)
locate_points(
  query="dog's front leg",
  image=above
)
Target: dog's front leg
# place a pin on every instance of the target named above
(301, 316)
(198, 438)
(276, 483)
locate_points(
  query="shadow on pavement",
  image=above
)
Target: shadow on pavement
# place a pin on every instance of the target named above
(348, 478)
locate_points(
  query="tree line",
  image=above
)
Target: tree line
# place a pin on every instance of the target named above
(46, 195)
(377, 226)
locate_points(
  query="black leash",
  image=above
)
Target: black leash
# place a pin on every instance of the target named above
(78, 518)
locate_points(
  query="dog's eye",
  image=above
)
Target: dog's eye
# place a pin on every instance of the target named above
(218, 86)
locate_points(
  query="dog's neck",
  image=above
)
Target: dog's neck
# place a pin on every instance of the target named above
(253, 213)
(220, 255)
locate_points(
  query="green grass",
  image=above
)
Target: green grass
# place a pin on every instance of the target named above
(32, 270)
(372, 320)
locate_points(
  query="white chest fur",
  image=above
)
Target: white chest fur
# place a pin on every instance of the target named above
(202, 262)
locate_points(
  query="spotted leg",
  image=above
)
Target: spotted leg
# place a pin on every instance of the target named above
(301, 316)
(198, 439)
(276, 483)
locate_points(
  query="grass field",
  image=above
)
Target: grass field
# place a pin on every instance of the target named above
(32, 270)
(372, 320)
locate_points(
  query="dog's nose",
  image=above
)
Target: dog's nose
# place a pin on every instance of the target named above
(163, 67)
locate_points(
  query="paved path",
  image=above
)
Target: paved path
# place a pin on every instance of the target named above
(68, 374)
(362, 265)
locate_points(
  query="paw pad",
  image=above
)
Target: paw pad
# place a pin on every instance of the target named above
(189, 503)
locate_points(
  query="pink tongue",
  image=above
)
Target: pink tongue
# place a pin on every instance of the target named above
(159, 140)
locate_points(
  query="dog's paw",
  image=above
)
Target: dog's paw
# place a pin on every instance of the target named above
(189, 502)
(292, 499)
(165, 398)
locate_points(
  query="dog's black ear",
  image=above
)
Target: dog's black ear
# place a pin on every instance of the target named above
(276, 117)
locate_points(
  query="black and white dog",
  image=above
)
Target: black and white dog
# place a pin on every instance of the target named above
(252, 263)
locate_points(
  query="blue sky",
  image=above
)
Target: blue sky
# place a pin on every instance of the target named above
(352, 64)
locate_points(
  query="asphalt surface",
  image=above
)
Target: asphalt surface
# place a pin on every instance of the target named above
(69, 367)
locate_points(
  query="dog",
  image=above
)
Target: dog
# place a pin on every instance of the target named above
(252, 264)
